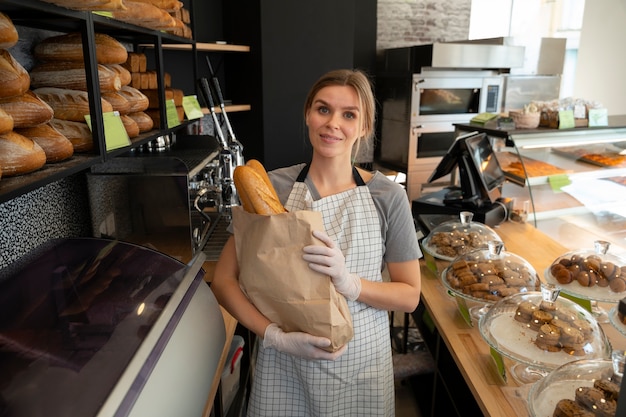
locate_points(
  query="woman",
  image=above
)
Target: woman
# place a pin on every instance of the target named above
(368, 225)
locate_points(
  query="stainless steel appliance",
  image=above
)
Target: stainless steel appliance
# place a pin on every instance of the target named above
(176, 201)
(424, 90)
(98, 327)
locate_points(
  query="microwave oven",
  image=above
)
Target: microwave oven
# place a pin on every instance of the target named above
(440, 96)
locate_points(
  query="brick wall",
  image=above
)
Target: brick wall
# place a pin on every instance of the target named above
(417, 22)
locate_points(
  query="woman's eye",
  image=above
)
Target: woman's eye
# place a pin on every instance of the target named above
(323, 109)
(349, 115)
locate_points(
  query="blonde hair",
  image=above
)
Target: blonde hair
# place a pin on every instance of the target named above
(360, 82)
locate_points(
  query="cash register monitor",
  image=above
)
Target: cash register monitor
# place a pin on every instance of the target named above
(480, 175)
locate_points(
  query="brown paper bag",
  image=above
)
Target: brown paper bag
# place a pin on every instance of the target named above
(279, 282)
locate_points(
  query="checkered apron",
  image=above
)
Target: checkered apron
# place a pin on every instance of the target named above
(360, 382)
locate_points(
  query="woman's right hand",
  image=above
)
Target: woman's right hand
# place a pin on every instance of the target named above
(300, 344)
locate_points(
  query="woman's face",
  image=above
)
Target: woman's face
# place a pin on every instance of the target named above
(334, 121)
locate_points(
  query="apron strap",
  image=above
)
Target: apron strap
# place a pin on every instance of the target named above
(355, 173)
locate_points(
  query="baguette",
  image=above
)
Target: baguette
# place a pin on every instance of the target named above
(89, 5)
(8, 32)
(56, 146)
(19, 155)
(138, 100)
(69, 47)
(27, 110)
(72, 75)
(68, 104)
(254, 193)
(14, 79)
(144, 122)
(6, 121)
(78, 133)
(118, 102)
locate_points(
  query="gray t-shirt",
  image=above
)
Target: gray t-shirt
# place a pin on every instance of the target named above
(396, 221)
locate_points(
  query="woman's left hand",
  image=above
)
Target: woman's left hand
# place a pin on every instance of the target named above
(329, 260)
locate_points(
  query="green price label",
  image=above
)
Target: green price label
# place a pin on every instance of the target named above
(558, 181)
(464, 310)
(172, 114)
(115, 135)
(598, 117)
(586, 304)
(566, 119)
(192, 107)
(497, 359)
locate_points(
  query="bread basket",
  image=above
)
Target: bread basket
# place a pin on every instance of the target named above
(525, 120)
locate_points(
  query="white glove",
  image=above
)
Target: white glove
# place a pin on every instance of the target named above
(330, 261)
(299, 344)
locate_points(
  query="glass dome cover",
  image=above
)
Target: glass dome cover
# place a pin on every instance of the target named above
(592, 274)
(542, 330)
(488, 275)
(576, 382)
(457, 237)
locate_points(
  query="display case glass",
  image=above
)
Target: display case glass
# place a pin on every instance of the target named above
(573, 180)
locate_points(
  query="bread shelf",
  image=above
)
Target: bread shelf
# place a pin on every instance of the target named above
(204, 47)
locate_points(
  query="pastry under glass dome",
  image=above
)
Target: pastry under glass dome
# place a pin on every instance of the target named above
(453, 238)
(592, 274)
(576, 382)
(541, 331)
(488, 275)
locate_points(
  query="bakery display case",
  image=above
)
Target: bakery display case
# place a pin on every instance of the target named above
(574, 180)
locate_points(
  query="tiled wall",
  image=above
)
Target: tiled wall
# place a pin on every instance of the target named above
(59, 209)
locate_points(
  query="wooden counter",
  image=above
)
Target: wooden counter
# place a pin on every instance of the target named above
(494, 396)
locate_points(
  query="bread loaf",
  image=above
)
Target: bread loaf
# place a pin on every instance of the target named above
(56, 146)
(144, 122)
(153, 97)
(19, 155)
(6, 121)
(155, 115)
(136, 62)
(138, 100)
(122, 73)
(8, 33)
(95, 5)
(254, 193)
(70, 105)
(27, 110)
(78, 133)
(169, 6)
(130, 125)
(69, 47)
(117, 101)
(72, 75)
(14, 79)
(145, 15)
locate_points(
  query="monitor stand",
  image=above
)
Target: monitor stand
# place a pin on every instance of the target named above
(439, 203)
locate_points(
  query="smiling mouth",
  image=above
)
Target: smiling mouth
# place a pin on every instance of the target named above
(329, 138)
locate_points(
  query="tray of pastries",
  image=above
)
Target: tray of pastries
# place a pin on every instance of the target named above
(583, 388)
(489, 275)
(457, 237)
(543, 332)
(590, 274)
(517, 168)
(603, 155)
